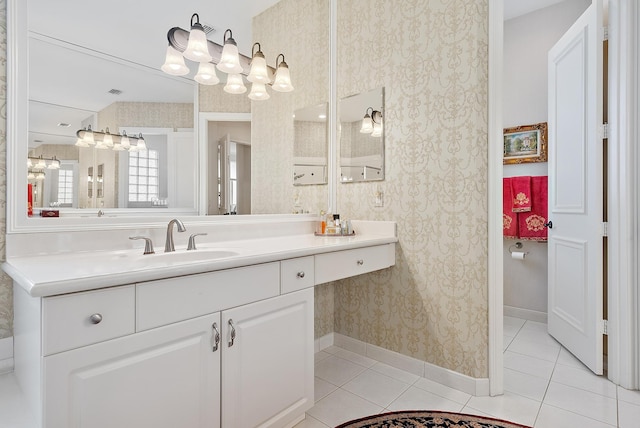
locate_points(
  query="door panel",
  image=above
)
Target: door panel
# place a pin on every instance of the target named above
(576, 189)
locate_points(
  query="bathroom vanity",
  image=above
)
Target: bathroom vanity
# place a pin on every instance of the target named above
(219, 336)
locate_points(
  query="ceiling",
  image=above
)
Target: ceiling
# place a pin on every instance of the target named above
(515, 8)
(80, 50)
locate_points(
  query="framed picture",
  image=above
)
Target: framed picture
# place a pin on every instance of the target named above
(524, 144)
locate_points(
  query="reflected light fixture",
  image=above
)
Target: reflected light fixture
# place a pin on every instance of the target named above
(376, 117)
(367, 123)
(195, 46)
(40, 163)
(104, 140)
(198, 45)
(282, 81)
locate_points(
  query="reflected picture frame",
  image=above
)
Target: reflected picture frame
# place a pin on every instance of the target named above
(525, 144)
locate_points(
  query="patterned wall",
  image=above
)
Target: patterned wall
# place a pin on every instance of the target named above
(431, 57)
(6, 295)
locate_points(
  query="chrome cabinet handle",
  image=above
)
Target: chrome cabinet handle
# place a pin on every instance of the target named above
(95, 318)
(233, 333)
(216, 337)
(300, 274)
(360, 262)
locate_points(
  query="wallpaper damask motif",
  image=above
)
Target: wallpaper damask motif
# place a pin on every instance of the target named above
(6, 292)
(431, 57)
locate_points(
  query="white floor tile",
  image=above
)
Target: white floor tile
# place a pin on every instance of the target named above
(550, 416)
(395, 373)
(534, 325)
(539, 336)
(576, 400)
(629, 415)
(584, 379)
(337, 371)
(512, 326)
(376, 387)
(322, 388)
(529, 365)
(566, 358)
(506, 341)
(355, 358)
(442, 390)
(319, 356)
(628, 396)
(533, 349)
(14, 412)
(419, 399)
(509, 406)
(526, 385)
(341, 406)
(310, 422)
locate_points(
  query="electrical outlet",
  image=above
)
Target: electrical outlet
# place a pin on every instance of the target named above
(379, 201)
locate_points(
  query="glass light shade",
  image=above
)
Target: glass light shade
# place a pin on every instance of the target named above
(54, 165)
(282, 81)
(41, 164)
(118, 147)
(197, 46)
(377, 130)
(207, 74)
(259, 72)
(29, 163)
(141, 146)
(367, 125)
(40, 176)
(124, 142)
(235, 85)
(259, 92)
(229, 59)
(88, 138)
(174, 63)
(31, 176)
(80, 142)
(100, 145)
(108, 140)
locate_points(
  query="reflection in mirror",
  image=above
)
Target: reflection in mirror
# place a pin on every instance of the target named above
(362, 137)
(310, 145)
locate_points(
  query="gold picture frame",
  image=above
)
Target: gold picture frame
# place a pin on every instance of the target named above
(525, 144)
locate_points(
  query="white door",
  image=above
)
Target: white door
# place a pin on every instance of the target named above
(575, 307)
(267, 361)
(166, 377)
(223, 174)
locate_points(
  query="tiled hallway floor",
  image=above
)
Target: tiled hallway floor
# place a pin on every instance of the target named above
(545, 387)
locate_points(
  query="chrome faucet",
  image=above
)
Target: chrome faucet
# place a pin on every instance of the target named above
(168, 246)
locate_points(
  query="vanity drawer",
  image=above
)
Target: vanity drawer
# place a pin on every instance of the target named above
(297, 274)
(74, 320)
(343, 264)
(171, 300)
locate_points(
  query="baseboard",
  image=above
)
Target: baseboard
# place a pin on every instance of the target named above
(6, 355)
(323, 342)
(450, 378)
(525, 314)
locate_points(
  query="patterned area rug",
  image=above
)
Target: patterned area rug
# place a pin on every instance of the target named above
(426, 419)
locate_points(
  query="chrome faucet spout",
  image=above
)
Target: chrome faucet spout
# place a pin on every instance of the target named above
(169, 246)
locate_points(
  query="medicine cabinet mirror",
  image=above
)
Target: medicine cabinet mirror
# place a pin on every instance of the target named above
(362, 137)
(310, 145)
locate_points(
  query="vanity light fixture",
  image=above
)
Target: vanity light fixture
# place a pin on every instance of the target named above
(104, 140)
(225, 58)
(367, 123)
(40, 163)
(372, 123)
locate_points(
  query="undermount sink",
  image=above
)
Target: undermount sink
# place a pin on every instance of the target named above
(191, 256)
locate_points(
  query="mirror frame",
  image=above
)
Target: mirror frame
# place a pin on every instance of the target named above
(17, 130)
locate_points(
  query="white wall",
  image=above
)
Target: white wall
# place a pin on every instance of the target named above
(527, 39)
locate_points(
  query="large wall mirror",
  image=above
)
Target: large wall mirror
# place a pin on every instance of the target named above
(362, 137)
(70, 69)
(310, 144)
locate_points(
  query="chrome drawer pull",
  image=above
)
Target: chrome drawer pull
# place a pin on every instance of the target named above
(360, 262)
(300, 275)
(95, 318)
(233, 333)
(216, 337)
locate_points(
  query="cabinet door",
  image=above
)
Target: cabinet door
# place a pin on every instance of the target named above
(267, 365)
(167, 377)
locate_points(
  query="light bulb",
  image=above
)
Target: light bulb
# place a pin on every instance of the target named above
(207, 74)
(235, 85)
(174, 63)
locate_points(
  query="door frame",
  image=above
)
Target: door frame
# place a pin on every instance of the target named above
(623, 191)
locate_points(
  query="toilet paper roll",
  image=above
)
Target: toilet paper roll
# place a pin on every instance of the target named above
(518, 255)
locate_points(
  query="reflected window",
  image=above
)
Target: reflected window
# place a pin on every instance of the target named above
(65, 187)
(144, 176)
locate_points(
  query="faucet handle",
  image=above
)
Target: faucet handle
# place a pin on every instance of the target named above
(148, 244)
(192, 241)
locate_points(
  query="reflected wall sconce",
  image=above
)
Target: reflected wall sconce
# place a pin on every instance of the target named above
(194, 46)
(104, 140)
(41, 163)
(372, 123)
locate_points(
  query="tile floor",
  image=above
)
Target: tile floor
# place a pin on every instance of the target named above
(545, 387)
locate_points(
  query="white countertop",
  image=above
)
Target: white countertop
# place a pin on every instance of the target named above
(47, 275)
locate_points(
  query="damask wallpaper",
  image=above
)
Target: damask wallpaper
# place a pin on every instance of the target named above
(431, 58)
(6, 296)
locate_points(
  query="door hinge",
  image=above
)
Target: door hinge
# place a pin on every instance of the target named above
(605, 327)
(605, 229)
(604, 131)
(605, 34)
